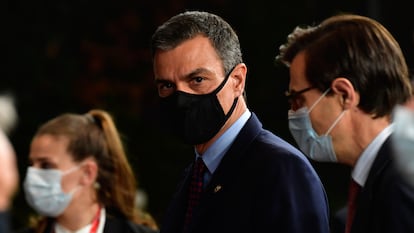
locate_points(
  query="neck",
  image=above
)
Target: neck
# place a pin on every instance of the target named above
(365, 130)
(78, 215)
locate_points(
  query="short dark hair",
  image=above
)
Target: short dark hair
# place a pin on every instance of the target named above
(359, 49)
(190, 24)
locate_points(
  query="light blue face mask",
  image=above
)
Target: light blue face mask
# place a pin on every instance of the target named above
(44, 193)
(318, 148)
(403, 141)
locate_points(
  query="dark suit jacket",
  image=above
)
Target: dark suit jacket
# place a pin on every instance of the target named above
(386, 202)
(4, 222)
(262, 184)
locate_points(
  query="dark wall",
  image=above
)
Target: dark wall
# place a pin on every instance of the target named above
(71, 56)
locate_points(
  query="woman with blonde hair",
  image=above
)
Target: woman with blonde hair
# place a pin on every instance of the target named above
(80, 179)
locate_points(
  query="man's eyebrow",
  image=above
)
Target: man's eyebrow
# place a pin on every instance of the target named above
(292, 93)
(160, 80)
(199, 71)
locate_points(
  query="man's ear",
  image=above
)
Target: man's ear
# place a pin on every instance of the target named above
(344, 88)
(239, 78)
(90, 172)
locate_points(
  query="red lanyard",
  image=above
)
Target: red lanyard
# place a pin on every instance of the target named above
(95, 222)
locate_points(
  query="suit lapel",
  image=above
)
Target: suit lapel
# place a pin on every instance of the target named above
(223, 176)
(230, 165)
(382, 160)
(373, 184)
(177, 208)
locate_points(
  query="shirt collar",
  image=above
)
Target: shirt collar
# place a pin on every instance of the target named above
(365, 161)
(213, 155)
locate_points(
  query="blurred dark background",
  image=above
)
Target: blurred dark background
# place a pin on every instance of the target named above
(72, 56)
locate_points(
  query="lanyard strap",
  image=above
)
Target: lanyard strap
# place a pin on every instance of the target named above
(95, 223)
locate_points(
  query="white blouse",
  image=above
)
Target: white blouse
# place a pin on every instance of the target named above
(86, 229)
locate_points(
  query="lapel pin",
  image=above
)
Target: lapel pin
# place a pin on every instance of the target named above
(217, 188)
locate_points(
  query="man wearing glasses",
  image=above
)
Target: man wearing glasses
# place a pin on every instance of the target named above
(346, 76)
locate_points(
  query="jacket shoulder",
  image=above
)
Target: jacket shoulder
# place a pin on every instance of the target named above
(138, 228)
(24, 230)
(119, 224)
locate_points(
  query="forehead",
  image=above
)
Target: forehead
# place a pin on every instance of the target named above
(190, 55)
(50, 148)
(297, 72)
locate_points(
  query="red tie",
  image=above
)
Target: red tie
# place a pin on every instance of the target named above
(354, 189)
(195, 189)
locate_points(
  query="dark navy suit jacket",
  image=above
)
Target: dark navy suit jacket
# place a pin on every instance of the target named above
(263, 184)
(386, 202)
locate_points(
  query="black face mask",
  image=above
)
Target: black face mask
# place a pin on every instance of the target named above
(195, 118)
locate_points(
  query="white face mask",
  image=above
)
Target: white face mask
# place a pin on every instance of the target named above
(43, 191)
(316, 147)
(403, 141)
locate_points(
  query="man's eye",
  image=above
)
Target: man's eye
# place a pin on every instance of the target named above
(164, 85)
(165, 88)
(198, 79)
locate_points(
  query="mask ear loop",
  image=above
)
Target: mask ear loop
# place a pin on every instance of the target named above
(70, 170)
(319, 99)
(218, 89)
(335, 122)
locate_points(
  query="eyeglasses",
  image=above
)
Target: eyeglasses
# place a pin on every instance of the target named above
(295, 99)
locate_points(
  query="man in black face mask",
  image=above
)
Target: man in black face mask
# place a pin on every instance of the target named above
(252, 180)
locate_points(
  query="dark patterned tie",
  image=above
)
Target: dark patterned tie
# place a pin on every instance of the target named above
(194, 191)
(354, 189)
